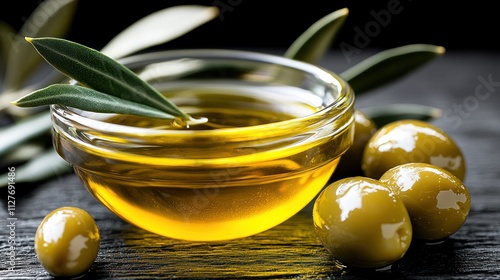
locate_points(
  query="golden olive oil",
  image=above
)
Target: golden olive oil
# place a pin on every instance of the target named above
(219, 186)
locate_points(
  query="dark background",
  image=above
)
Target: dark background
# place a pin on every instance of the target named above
(250, 24)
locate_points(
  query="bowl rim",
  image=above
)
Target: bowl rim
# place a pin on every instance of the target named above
(344, 101)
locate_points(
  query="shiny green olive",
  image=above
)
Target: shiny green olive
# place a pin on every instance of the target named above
(407, 141)
(350, 162)
(67, 242)
(437, 201)
(362, 223)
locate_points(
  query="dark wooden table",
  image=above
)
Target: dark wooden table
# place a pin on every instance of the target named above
(465, 85)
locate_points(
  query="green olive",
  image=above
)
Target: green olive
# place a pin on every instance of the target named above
(437, 201)
(362, 223)
(350, 162)
(67, 242)
(407, 141)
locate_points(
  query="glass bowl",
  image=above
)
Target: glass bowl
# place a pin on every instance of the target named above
(276, 130)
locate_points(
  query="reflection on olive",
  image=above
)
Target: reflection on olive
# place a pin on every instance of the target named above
(407, 141)
(350, 162)
(67, 242)
(437, 201)
(362, 223)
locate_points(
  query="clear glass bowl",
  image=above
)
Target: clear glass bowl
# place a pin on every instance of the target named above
(277, 128)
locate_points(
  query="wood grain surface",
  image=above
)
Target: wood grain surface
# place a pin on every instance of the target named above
(466, 80)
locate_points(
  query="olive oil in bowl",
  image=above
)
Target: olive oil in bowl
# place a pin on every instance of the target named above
(265, 151)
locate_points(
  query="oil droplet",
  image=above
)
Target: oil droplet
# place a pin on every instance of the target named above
(183, 123)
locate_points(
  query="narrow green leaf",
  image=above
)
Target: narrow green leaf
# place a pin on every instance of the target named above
(87, 99)
(21, 131)
(43, 167)
(389, 65)
(315, 41)
(385, 114)
(54, 77)
(102, 73)
(50, 18)
(159, 27)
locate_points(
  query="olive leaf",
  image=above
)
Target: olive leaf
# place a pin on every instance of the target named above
(315, 41)
(87, 99)
(50, 18)
(93, 69)
(385, 114)
(174, 22)
(389, 65)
